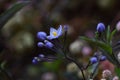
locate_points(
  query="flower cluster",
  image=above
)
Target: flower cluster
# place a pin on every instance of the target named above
(46, 40)
(103, 42)
(97, 57)
(49, 42)
(42, 58)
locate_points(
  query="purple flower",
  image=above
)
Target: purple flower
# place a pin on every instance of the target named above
(41, 35)
(40, 44)
(55, 33)
(93, 60)
(100, 27)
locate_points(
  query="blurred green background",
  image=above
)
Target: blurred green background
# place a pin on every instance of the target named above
(18, 36)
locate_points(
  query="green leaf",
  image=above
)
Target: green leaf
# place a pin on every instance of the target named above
(117, 70)
(108, 34)
(100, 44)
(11, 11)
(106, 49)
(113, 33)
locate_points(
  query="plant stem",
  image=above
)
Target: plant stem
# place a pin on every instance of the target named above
(87, 66)
(94, 71)
(80, 66)
(71, 59)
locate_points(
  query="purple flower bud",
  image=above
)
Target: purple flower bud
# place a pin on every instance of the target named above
(100, 27)
(40, 44)
(66, 27)
(41, 55)
(49, 44)
(41, 35)
(96, 54)
(49, 38)
(35, 60)
(102, 58)
(93, 60)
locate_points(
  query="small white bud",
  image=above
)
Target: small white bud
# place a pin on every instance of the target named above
(118, 26)
(106, 73)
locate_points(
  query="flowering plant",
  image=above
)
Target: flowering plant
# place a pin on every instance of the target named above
(102, 40)
(54, 47)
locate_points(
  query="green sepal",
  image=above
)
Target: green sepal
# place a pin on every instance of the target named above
(96, 35)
